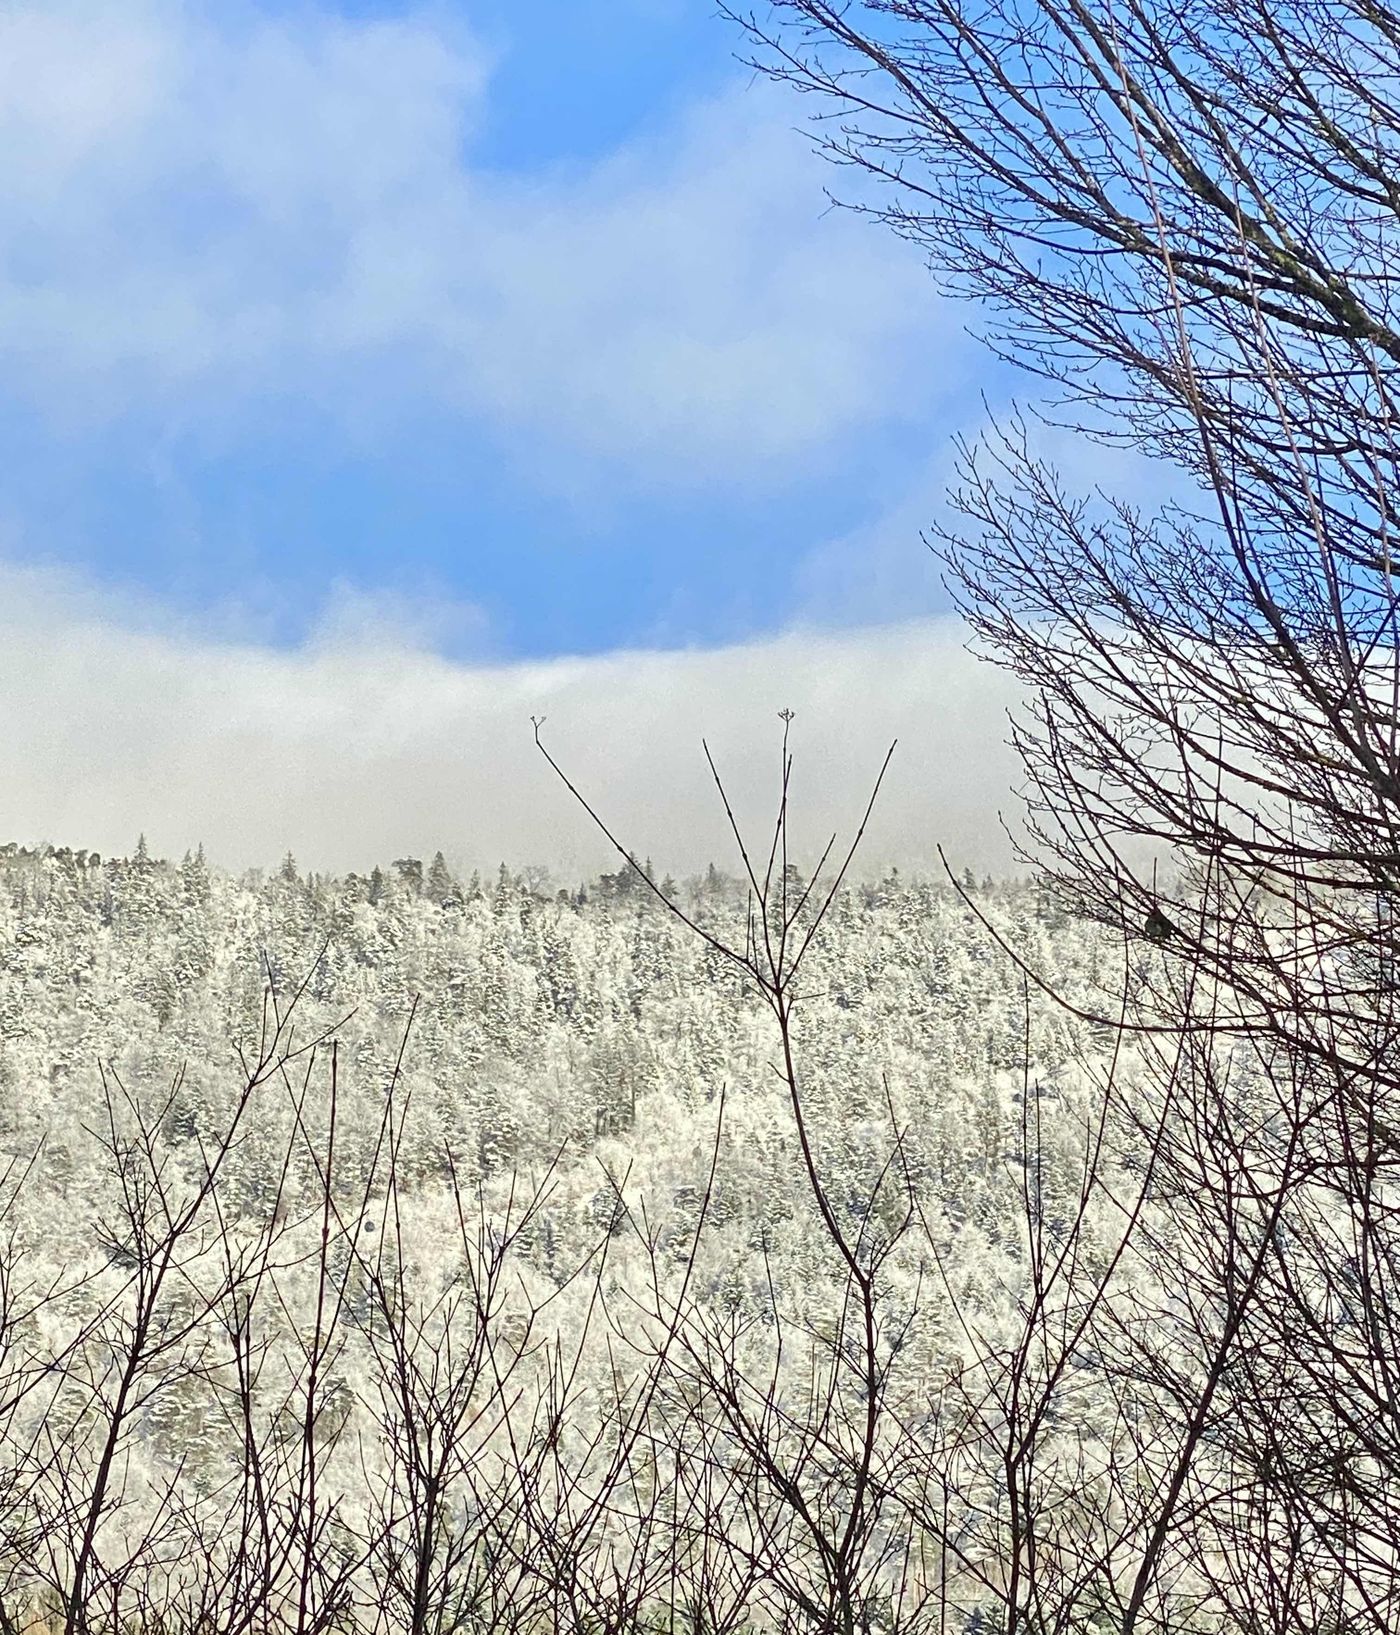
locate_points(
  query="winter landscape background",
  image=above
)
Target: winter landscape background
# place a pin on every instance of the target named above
(551, 1100)
(814, 1243)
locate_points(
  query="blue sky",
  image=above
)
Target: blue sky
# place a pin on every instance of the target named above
(516, 329)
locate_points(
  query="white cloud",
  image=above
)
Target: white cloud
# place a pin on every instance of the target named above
(429, 620)
(215, 207)
(356, 749)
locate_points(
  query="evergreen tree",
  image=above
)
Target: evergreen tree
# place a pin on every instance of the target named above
(442, 888)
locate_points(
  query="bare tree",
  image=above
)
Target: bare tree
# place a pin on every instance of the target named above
(1184, 216)
(867, 1498)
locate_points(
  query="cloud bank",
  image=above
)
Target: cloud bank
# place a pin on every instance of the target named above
(364, 745)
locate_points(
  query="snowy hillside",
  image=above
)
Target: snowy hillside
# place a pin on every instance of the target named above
(406, 1219)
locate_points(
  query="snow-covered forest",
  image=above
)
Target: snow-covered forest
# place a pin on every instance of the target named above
(414, 1248)
(532, 1017)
